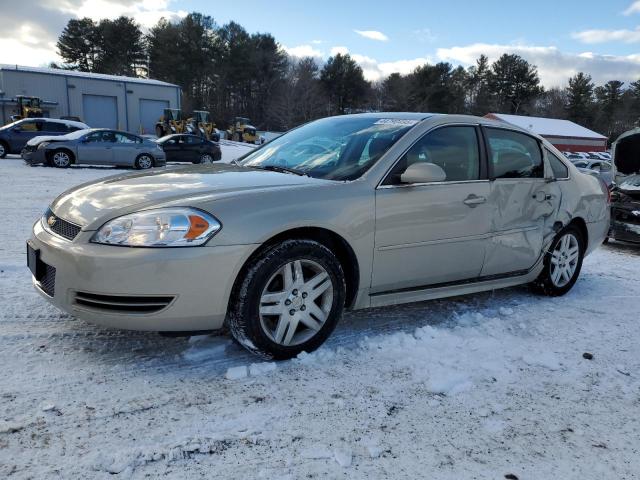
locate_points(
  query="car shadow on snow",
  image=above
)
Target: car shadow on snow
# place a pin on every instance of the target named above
(214, 354)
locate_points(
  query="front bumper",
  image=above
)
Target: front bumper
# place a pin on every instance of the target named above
(625, 221)
(197, 281)
(33, 157)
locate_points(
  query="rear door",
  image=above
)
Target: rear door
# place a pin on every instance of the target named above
(433, 233)
(524, 204)
(126, 148)
(96, 148)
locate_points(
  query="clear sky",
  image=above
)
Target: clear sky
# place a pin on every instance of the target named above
(561, 37)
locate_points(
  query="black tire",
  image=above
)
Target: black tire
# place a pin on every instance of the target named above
(203, 159)
(159, 131)
(217, 156)
(61, 158)
(4, 149)
(142, 164)
(544, 284)
(244, 318)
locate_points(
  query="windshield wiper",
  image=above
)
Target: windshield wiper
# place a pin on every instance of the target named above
(277, 168)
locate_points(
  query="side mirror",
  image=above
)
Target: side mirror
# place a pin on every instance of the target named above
(423, 172)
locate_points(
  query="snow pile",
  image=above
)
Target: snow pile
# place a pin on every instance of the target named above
(482, 386)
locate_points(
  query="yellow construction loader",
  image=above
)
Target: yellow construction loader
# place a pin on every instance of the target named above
(171, 122)
(28, 107)
(242, 131)
(200, 124)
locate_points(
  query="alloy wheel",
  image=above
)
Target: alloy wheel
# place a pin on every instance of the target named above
(564, 260)
(296, 302)
(61, 159)
(206, 158)
(145, 162)
(2, 150)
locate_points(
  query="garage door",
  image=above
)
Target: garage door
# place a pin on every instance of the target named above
(150, 113)
(100, 111)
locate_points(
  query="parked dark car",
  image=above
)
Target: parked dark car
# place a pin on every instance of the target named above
(189, 148)
(14, 137)
(625, 210)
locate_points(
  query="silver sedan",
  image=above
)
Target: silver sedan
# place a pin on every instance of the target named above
(96, 147)
(352, 212)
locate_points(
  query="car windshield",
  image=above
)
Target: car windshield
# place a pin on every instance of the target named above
(337, 148)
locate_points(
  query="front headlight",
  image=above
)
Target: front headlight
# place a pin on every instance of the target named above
(43, 145)
(163, 227)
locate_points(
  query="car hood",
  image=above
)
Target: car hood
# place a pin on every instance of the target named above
(90, 204)
(631, 186)
(49, 138)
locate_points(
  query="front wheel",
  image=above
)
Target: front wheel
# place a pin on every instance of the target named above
(143, 162)
(289, 300)
(562, 263)
(61, 159)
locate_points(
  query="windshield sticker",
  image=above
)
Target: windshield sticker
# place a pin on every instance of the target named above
(395, 121)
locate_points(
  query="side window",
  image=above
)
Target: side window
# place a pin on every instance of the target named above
(55, 127)
(454, 149)
(558, 167)
(125, 138)
(193, 140)
(108, 136)
(514, 154)
(31, 126)
(93, 137)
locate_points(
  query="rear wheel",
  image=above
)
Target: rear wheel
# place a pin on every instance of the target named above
(4, 149)
(159, 131)
(205, 158)
(144, 161)
(61, 158)
(562, 263)
(289, 300)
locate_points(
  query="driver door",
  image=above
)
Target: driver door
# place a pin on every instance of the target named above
(97, 148)
(429, 234)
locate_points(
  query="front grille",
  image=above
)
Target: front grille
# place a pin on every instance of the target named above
(61, 227)
(122, 303)
(48, 282)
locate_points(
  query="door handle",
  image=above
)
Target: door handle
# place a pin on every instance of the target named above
(473, 200)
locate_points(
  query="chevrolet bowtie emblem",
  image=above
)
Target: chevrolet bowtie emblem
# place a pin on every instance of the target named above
(51, 221)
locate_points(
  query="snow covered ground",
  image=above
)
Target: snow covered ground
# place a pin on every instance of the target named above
(483, 386)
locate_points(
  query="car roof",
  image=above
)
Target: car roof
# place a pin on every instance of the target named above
(57, 120)
(395, 115)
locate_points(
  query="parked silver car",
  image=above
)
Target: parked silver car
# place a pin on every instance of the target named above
(390, 208)
(95, 146)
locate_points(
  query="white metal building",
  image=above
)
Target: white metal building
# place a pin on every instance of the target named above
(125, 103)
(563, 134)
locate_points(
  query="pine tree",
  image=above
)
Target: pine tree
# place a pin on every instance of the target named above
(344, 83)
(78, 44)
(514, 82)
(580, 99)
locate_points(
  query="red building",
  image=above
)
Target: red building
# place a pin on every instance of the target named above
(562, 134)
